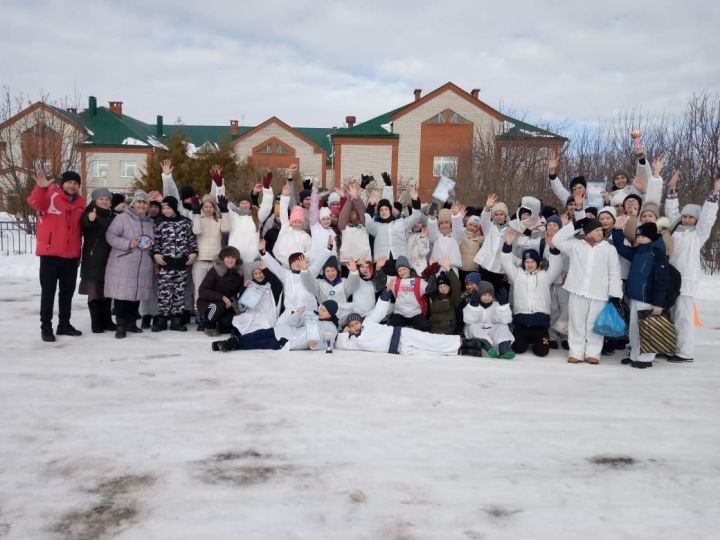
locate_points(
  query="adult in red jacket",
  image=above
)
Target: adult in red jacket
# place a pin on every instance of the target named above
(59, 238)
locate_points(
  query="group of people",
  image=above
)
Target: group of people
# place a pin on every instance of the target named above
(353, 269)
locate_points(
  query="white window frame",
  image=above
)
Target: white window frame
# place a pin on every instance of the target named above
(100, 166)
(123, 169)
(445, 166)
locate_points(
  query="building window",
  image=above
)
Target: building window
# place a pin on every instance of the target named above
(445, 166)
(455, 118)
(128, 169)
(266, 149)
(439, 118)
(279, 149)
(101, 169)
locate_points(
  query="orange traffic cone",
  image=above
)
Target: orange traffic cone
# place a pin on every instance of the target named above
(696, 317)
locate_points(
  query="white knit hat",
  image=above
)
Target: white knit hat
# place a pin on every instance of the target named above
(325, 212)
(608, 210)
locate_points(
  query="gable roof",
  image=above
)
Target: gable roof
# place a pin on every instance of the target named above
(515, 129)
(313, 136)
(66, 116)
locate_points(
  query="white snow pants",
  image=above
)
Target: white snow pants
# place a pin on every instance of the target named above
(199, 269)
(558, 312)
(634, 333)
(582, 312)
(414, 341)
(682, 315)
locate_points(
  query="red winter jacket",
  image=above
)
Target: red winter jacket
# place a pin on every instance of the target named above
(59, 232)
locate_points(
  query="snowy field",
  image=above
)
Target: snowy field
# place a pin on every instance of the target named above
(156, 436)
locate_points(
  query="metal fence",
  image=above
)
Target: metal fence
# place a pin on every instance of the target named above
(17, 238)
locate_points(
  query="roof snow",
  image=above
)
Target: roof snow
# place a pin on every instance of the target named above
(131, 141)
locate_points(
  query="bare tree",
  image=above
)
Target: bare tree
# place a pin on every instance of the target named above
(44, 137)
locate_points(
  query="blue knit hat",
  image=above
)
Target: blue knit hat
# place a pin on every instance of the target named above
(473, 277)
(556, 220)
(530, 254)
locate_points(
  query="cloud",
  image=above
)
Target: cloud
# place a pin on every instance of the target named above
(314, 63)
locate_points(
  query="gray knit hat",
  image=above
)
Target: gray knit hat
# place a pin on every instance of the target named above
(691, 210)
(100, 192)
(140, 195)
(486, 287)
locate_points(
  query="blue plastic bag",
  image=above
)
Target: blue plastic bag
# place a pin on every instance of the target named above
(609, 322)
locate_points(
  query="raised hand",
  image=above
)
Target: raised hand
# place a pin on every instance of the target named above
(639, 151)
(446, 263)
(353, 191)
(286, 190)
(374, 197)
(266, 180)
(351, 264)
(510, 235)
(621, 221)
(414, 194)
(672, 184)
(41, 180)
(579, 199)
(565, 218)
(155, 196)
(553, 161)
(92, 215)
(257, 189)
(457, 208)
(380, 263)
(491, 200)
(386, 178)
(167, 167)
(292, 169)
(216, 175)
(657, 166)
(304, 263)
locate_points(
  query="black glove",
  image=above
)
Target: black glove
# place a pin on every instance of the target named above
(366, 179)
(386, 179)
(308, 184)
(473, 298)
(502, 297)
(195, 204)
(223, 204)
(385, 295)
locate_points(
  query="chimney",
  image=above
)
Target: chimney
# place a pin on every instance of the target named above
(334, 129)
(72, 110)
(116, 108)
(475, 92)
(234, 125)
(92, 105)
(350, 121)
(159, 126)
(417, 93)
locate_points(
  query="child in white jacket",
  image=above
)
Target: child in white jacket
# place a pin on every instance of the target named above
(593, 278)
(292, 237)
(330, 286)
(532, 296)
(689, 235)
(486, 320)
(444, 242)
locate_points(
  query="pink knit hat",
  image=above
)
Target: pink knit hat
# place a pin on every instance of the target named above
(297, 214)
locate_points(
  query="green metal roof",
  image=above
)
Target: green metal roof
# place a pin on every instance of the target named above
(199, 135)
(372, 127)
(522, 130)
(108, 129)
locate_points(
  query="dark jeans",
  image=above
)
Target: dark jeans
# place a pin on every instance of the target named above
(260, 339)
(418, 322)
(54, 270)
(127, 310)
(217, 313)
(535, 337)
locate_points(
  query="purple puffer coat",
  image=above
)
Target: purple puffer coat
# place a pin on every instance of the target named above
(129, 273)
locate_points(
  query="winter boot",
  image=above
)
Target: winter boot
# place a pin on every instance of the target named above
(46, 332)
(493, 353)
(592, 360)
(106, 314)
(185, 317)
(176, 323)
(146, 322)
(201, 321)
(626, 361)
(159, 324)
(131, 326)
(572, 360)
(67, 329)
(641, 365)
(96, 325)
(554, 345)
(565, 345)
(120, 332)
(230, 344)
(471, 347)
(678, 359)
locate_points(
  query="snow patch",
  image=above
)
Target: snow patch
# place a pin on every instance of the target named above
(131, 141)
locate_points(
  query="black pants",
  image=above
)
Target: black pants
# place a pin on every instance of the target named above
(216, 312)
(418, 322)
(260, 339)
(499, 281)
(536, 337)
(54, 270)
(127, 310)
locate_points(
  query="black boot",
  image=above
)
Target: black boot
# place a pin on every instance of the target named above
(67, 329)
(159, 324)
(120, 328)
(94, 307)
(176, 323)
(131, 326)
(46, 332)
(200, 321)
(641, 365)
(106, 314)
(146, 322)
(554, 345)
(471, 347)
(564, 344)
(230, 344)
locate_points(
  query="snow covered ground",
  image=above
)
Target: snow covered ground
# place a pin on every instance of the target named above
(156, 436)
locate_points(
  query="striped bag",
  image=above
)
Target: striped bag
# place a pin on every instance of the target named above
(657, 332)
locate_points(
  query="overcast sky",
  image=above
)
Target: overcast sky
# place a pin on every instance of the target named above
(312, 63)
